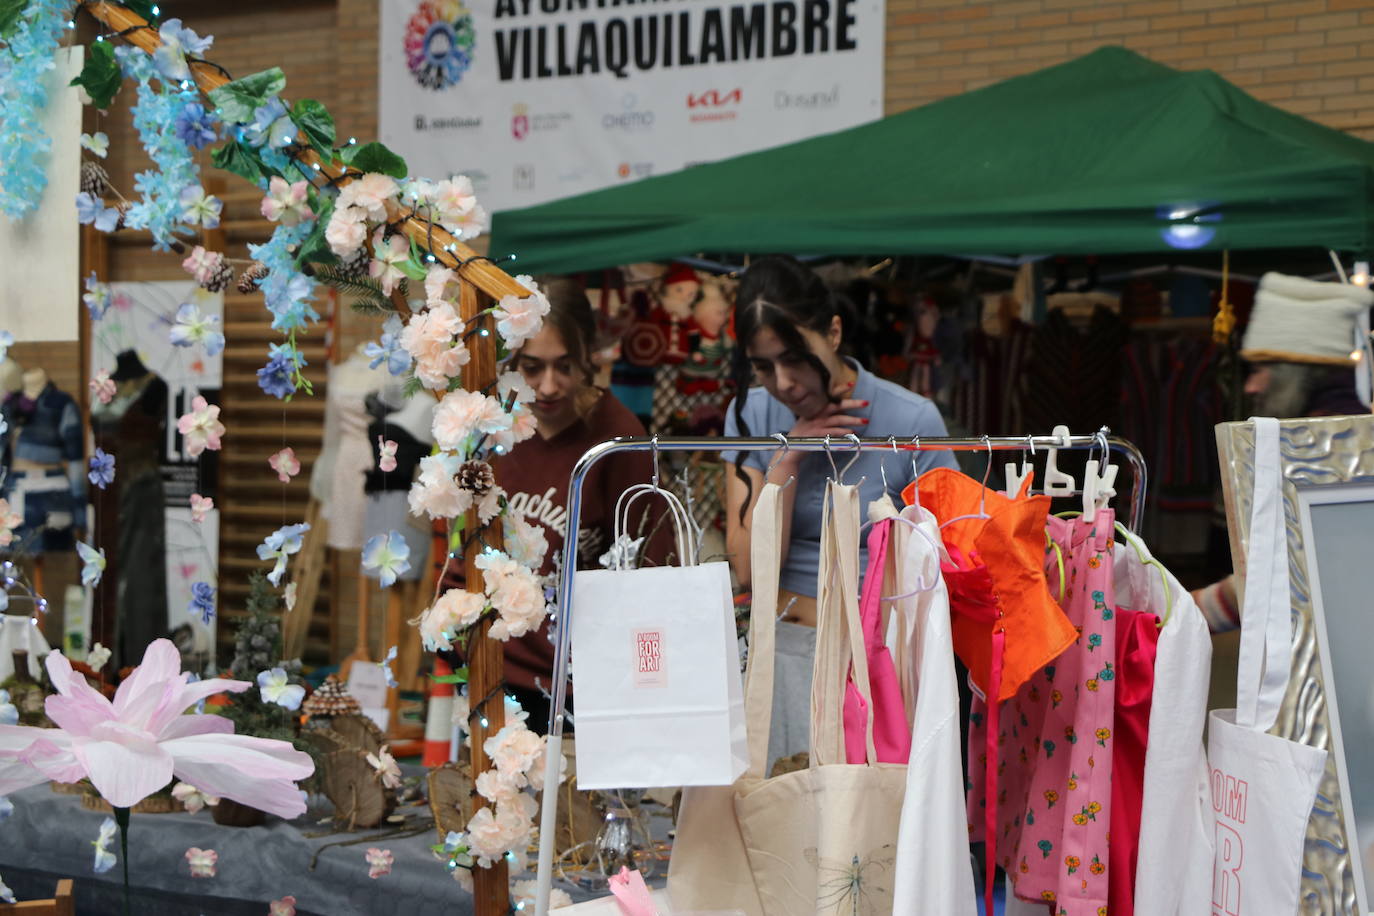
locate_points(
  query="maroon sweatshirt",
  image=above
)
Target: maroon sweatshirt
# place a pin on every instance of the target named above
(535, 477)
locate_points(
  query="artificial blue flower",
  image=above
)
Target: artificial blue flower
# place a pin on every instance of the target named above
(279, 545)
(277, 688)
(104, 859)
(159, 209)
(102, 472)
(177, 42)
(96, 297)
(199, 208)
(288, 302)
(24, 83)
(390, 351)
(202, 602)
(386, 667)
(6, 341)
(9, 713)
(190, 327)
(277, 377)
(92, 563)
(6, 809)
(272, 126)
(91, 211)
(389, 555)
(195, 126)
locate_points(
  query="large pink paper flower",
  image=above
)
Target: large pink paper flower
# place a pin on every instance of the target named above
(201, 427)
(133, 747)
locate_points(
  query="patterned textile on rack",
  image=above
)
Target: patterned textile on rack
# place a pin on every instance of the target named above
(1073, 375)
(988, 396)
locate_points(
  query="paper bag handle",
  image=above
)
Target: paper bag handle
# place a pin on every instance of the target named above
(682, 527)
(1266, 629)
(765, 558)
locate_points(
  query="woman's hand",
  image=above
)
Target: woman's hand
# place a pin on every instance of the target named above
(831, 421)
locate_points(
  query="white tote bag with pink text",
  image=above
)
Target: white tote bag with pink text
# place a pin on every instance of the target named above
(1263, 786)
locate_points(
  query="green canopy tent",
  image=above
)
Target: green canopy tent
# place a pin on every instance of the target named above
(1109, 153)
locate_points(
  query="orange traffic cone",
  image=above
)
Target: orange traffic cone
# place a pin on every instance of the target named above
(438, 717)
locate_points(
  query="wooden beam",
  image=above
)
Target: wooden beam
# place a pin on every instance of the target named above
(471, 266)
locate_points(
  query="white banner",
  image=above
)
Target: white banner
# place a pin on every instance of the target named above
(541, 99)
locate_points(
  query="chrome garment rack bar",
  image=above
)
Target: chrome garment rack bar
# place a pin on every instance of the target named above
(836, 446)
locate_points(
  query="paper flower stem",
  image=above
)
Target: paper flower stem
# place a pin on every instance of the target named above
(122, 819)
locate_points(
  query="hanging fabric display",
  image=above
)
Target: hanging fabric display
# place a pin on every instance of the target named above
(891, 726)
(1263, 786)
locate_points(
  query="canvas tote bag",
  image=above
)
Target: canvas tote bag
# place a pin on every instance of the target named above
(1263, 786)
(656, 661)
(823, 840)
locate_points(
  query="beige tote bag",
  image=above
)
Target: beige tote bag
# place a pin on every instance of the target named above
(823, 839)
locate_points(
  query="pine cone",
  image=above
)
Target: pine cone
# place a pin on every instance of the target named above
(123, 208)
(95, 181)
(252, 275)
(220, 279)
(477, 477)
(354, 267)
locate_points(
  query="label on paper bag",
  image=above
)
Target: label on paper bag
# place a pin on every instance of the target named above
(649, 671)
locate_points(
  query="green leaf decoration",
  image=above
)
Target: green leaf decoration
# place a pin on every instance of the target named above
(237, 101)
(458, 677)
(317, 124)
(374, 157)
(100, 75)
(316, 247)
(238, 158)
(10, 11)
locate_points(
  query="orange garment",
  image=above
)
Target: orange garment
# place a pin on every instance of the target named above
(999, 567)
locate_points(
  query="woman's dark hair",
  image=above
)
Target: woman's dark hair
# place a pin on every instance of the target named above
(782, 294)
(570, 314)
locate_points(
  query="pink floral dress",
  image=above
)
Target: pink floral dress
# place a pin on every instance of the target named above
(1055, 740)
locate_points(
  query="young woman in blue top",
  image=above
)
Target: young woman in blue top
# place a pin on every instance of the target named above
(791, 329)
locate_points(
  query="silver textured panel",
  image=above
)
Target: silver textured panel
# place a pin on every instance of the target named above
(1314, 452)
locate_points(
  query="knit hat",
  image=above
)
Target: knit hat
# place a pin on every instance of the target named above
(1303, 321)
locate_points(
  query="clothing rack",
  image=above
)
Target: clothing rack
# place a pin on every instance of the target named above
(656, 444)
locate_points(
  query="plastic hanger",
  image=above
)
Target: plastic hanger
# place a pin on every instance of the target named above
(1134, 541)
(915, 470)
(1058, 559)
(1015, 478)
(1057, 483)
(983, 501)
(1098, 489)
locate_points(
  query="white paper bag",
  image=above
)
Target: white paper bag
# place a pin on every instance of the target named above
(656, 672)
(1263, 786)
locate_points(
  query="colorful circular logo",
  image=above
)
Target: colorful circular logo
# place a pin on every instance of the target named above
(439, 39)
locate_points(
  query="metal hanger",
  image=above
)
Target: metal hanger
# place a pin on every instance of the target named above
(983, 500)
(786, 446)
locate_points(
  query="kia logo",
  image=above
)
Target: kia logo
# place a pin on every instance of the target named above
(714, 99)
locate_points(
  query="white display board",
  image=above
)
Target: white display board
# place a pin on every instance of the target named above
(542, 99)
(41, 298)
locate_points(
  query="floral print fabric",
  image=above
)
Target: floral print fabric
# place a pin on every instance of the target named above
(1055, 739)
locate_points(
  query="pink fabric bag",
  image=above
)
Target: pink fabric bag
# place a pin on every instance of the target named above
(891, 728)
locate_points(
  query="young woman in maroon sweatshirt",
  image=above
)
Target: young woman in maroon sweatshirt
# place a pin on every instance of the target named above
(573, 415)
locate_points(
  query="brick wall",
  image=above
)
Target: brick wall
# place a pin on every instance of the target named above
(1308, 56)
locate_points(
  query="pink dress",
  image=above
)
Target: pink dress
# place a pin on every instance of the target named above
(1055, 740)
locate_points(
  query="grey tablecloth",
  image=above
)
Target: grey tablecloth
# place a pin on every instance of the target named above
(49, 836)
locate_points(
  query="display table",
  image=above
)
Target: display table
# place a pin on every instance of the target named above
(49, 836)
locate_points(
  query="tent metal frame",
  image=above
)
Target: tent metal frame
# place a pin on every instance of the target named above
(656, 444)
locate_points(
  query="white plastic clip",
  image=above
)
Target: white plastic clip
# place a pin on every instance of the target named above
(1057, 483)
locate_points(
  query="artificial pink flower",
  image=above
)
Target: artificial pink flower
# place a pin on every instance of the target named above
(201, 427)
(435, 493)
(288, 595)
(431, 337)
(491, 836)
(285, 464)
(454, 199)
(470, 224)
(379, 862)
(388, 256)
(386, 767)
(369, 193)
(102, 387)
(191, 798)
(347, 230)
(200, 506)
(463, 414)
(386, 454)
(136, 745)
(9, 520)
(441, 286)
(515, 593)
(202, 862)
(202, 264)
(286, 203)
(520, 318)
(457, 609)
(286, 906)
